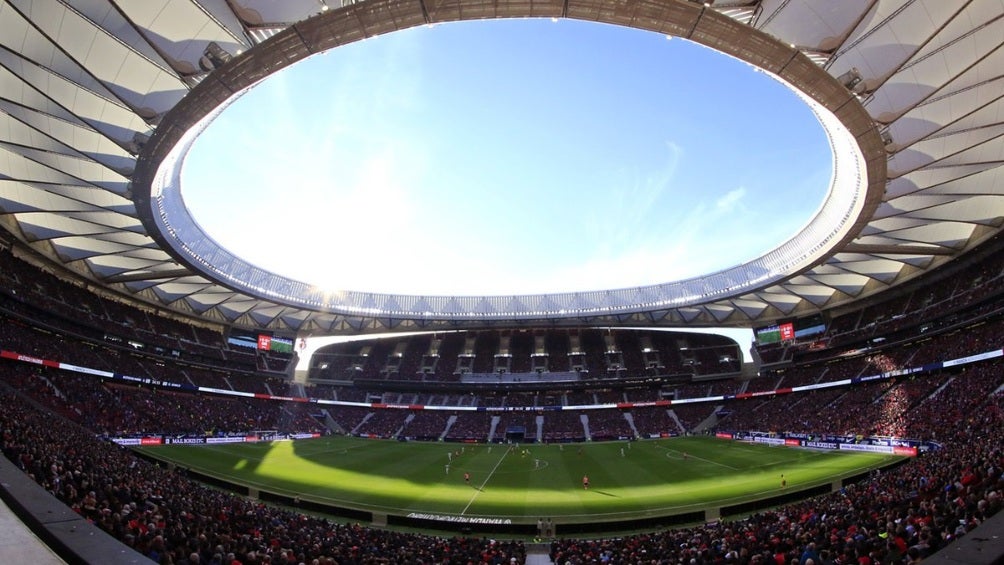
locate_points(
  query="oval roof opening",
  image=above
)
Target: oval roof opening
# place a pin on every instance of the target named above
(509, 157)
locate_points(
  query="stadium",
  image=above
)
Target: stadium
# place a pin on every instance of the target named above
(160, 404)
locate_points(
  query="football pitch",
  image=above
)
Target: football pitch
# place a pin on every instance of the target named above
(627, 480)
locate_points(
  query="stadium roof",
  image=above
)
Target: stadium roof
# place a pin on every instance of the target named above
(94, 94)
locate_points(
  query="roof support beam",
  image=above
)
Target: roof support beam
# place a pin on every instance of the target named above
(897, 249)
(146, 276)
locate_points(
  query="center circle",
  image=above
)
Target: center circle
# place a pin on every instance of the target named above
(508, 157)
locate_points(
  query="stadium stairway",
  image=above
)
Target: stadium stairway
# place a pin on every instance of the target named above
(679, 424)
(538, 554)
(630, 420)
(361, 423)
(710, 421)
(494, 426)
(330, 422)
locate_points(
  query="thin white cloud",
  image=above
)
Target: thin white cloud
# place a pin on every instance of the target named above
(731, 200)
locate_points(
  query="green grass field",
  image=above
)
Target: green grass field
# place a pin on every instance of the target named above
(652, 478)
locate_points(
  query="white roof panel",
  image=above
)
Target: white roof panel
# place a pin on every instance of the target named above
(82, 80)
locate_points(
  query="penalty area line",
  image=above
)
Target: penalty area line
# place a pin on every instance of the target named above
(478, 490)
(692, 456)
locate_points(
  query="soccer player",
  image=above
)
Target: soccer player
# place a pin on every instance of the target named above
(447, 468)
(585, 482)
(784, 482)
(467, 477)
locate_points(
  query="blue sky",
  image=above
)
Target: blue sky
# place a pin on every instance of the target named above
(507, 157)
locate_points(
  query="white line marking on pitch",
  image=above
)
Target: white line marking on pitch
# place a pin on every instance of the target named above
(713, 462)
(691, 456)
(478, 490)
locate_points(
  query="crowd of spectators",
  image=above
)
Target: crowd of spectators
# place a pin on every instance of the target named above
(794, 377)
(564, 426)
(692, 415)
(762, 384)
(904, 407)
(961, 396)
(900, 516)
(348, 418)
(43, 299)
(896, 517)
(608, 424)
(704, 389)
(515, 421)
(968, 294)
(654, 421)
(881, 406)
(442, 358)
(642, 395)
(935, 302)
(917, 509)
(791, 413)
(609, 396)
(427, 425)
(383, 423)
(114, 409)
(171, 519)
(580, 398)
(474, 426)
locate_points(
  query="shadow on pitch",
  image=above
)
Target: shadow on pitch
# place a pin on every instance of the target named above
(604, 493)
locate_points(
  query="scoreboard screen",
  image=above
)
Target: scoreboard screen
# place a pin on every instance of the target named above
(774, 334)
(277, 344)
(790, 330)
(261, 341)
